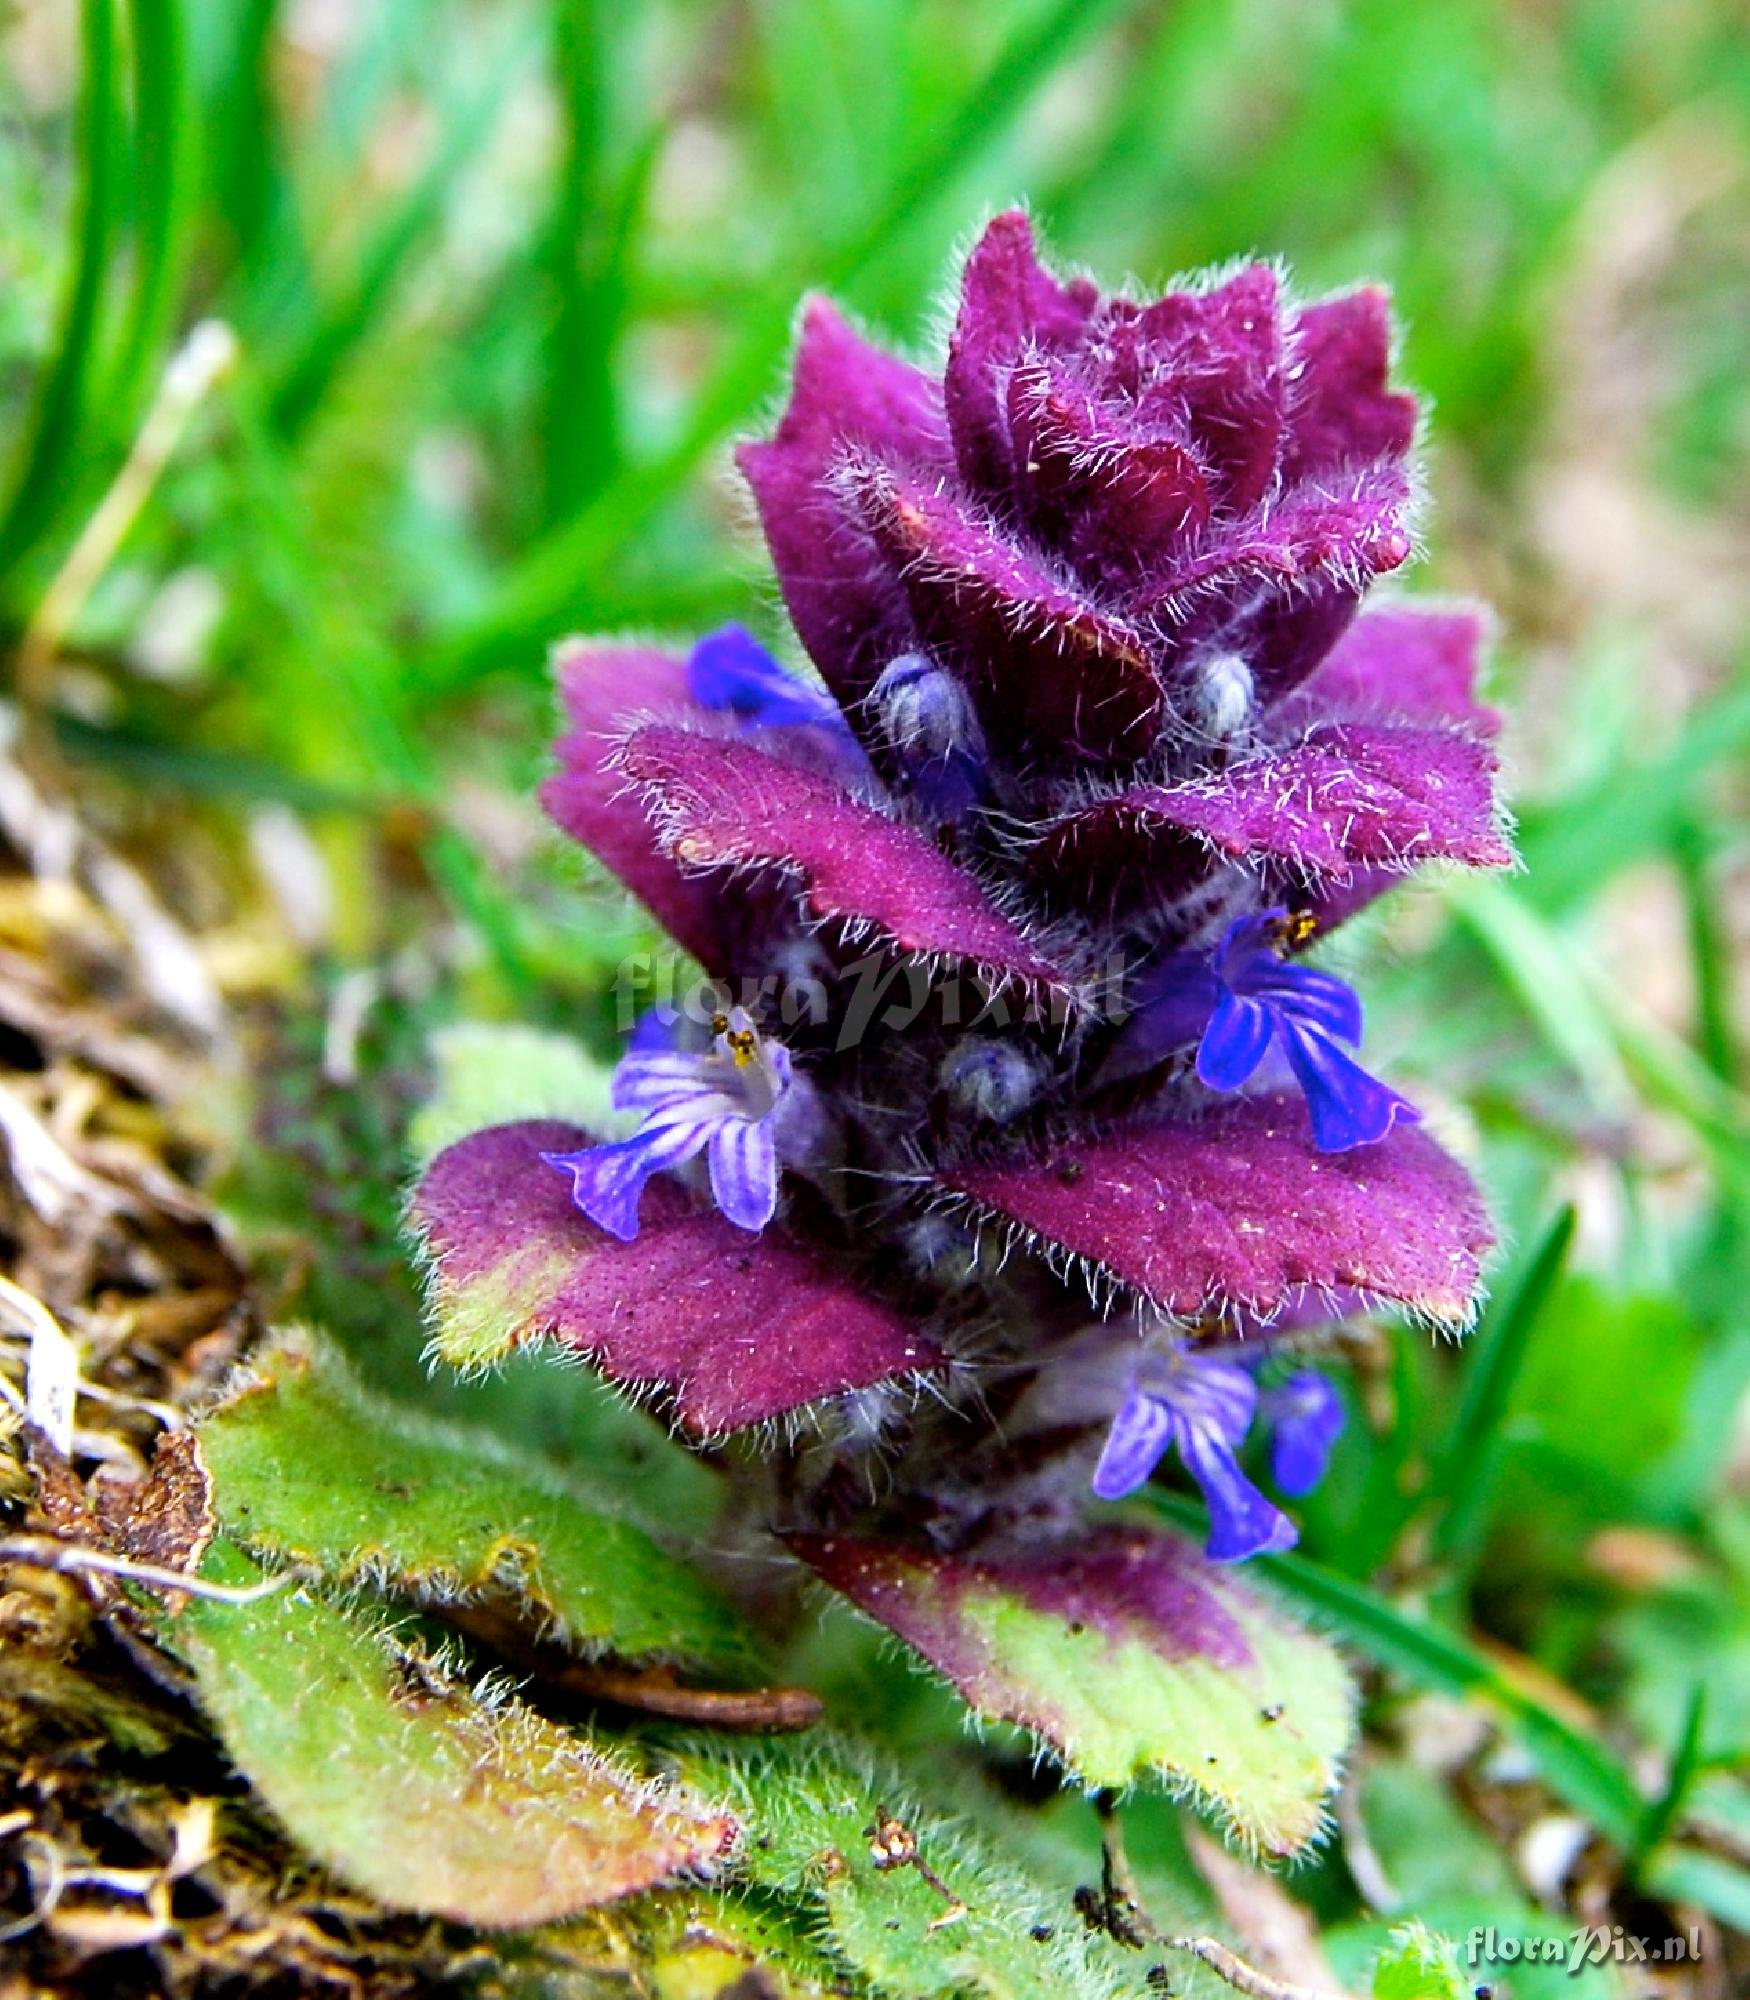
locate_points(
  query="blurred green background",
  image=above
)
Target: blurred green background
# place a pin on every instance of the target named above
(506, 278)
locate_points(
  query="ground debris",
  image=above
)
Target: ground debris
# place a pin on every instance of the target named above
(132, 1860)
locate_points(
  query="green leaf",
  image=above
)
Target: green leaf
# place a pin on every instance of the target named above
(308, 1468)
(707, 1942)
(490, 1074)
(1133, 1658)
(1418, 1965)
(423, 1791)
(810, 1809)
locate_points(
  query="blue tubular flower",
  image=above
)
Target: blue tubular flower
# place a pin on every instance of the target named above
(1244, 996)
(723, 1102)
(731, 670)
(1204, 1405)
(1305, 1416)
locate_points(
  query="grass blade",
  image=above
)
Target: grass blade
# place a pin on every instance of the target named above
(585, 256)
(1464, 1476)
(1710, 951)
(348, 317)
(46, 463)
(1662, 1813)
(166, 168)
(1540, 970)
(1574, 846)
(247, 192)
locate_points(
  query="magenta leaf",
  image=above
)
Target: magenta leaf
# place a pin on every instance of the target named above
(1131, 1656)
(847, 607)
(1345, 528)
(722, 802)
(1009, 305)
(1343, 412)
(1237, 1211)
(1401, 662)
(1111, 496)
(602, 688)
(1048, 662)
(1348, 796)
(732, 1328)
(1216, 362)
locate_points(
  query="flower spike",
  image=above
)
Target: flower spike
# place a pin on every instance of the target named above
(1100, 696)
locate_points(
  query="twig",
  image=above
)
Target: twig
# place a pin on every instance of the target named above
(1116, 1907)
(1243, 1978)
(650, 1690)
(657, 1692)
(44, 1552)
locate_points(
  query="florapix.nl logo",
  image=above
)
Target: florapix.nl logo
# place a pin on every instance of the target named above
(1599, 1944)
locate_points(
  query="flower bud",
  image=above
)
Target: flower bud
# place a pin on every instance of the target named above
(1220, 702)
(990, 1080)
(924, 712)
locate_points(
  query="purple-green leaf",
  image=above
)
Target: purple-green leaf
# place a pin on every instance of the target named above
(1132, 1657)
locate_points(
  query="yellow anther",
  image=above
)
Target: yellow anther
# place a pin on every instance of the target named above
(1295, 929)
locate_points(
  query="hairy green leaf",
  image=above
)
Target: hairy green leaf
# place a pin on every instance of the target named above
(1418, 1965)
(424, 1791)
(823, 1820)
(310, 1468)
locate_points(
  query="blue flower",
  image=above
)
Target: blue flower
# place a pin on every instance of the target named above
(1305, 1417)
(724, 1101)
(731, 670)
(1243, 996)
(1203, 1404)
